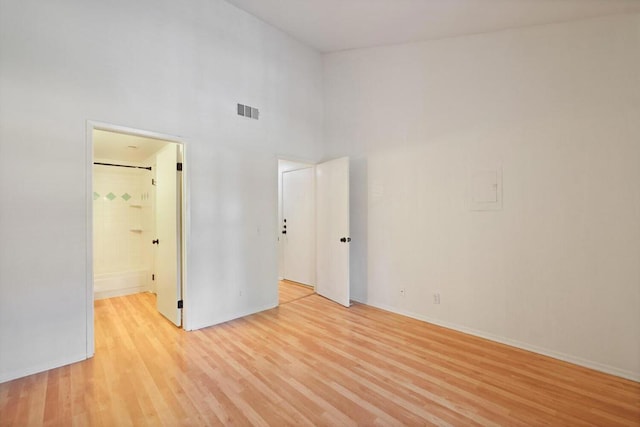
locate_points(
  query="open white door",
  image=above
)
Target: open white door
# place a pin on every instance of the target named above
(332, 230)
(168, 193)
(298, 212)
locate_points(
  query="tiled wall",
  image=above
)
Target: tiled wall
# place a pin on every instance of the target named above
(123, 226)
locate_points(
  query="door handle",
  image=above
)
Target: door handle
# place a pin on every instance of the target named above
(155, 241)
(284, 231)
(345, 239)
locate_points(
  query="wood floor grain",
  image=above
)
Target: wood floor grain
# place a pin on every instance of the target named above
(309, 362)
(291, 291)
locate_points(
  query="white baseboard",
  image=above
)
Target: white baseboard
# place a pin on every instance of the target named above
(228, 318)
(12, 375)
(119, 292)
(633, 376)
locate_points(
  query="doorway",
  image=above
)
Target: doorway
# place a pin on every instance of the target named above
(297, 222)
(313, 214)
(137, 239)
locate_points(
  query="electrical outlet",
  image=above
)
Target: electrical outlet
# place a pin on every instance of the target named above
(402, 292)
(436, 298)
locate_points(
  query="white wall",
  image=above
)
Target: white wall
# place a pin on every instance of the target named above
(176, 68)
(556, 107)
(558, 269)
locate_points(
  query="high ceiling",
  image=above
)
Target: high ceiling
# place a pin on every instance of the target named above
(334, 25)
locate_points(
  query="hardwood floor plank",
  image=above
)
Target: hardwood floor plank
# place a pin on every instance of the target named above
(291, 291)
(309, 362)
(361, 358)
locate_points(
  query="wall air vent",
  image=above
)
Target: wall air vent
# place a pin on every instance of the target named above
(248, 112)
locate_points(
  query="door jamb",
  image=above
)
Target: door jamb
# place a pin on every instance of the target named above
(92, 125)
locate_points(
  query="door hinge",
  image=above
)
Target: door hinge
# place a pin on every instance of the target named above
(179, 303)
(153, 181)
(153, 277)
(180, 166)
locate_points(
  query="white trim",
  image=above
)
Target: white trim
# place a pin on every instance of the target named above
(96, 125)
(120, 292)
(303, 162)
(89, 315)
(9, 376)
(186, 232)
(607, 369)
(132, 131)
(223, 319)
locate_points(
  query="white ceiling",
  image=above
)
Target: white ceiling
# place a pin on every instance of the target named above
(118, 147)
(333, 25)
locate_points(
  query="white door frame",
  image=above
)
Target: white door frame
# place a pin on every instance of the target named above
(96, 125)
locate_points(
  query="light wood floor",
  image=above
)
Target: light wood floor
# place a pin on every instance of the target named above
(309, 362)
(292, 291)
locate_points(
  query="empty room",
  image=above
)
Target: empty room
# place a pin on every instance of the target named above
(320, 212)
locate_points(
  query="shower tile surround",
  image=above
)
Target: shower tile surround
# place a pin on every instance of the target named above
(123, 226)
